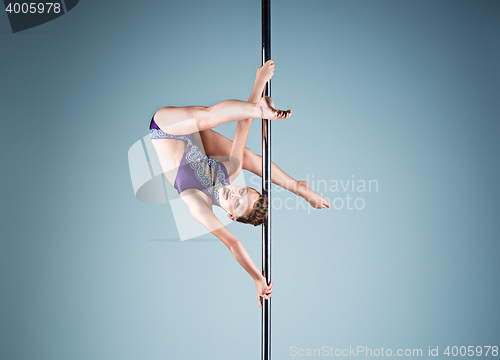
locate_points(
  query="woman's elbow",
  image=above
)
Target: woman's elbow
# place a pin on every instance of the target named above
(235, 247)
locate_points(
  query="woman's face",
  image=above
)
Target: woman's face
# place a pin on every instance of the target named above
(237, 200)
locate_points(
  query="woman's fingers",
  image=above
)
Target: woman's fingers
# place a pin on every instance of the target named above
(266, 293)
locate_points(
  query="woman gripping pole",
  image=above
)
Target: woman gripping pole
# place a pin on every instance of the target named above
(203, 177)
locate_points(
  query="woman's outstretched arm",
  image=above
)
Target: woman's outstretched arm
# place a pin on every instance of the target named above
(263, 75)
(202, 212)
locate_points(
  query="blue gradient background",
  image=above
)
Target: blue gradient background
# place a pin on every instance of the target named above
(405, 92)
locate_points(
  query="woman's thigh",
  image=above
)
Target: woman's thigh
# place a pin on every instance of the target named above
(180, 120)
(216, 145)
(169, 152)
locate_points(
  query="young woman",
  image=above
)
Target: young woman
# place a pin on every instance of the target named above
(203, 177)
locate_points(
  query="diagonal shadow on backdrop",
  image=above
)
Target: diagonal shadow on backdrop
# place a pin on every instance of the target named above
(150, 186)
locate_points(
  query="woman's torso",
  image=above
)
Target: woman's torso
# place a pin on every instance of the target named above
(186, 166)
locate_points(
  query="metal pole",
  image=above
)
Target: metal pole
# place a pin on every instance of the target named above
(266, 187)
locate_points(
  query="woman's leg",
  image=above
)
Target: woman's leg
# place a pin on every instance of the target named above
(216, 144)
(190, 119)
(169, 152)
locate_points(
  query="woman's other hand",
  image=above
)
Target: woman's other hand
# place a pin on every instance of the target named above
(263, 290)
(266, 71)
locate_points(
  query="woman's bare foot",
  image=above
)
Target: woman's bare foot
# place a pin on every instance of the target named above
(315, 200)
(269, 112)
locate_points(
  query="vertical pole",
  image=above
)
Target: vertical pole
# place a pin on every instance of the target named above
(266, 187)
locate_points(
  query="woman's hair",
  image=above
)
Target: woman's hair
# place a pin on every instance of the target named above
(258, 213)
